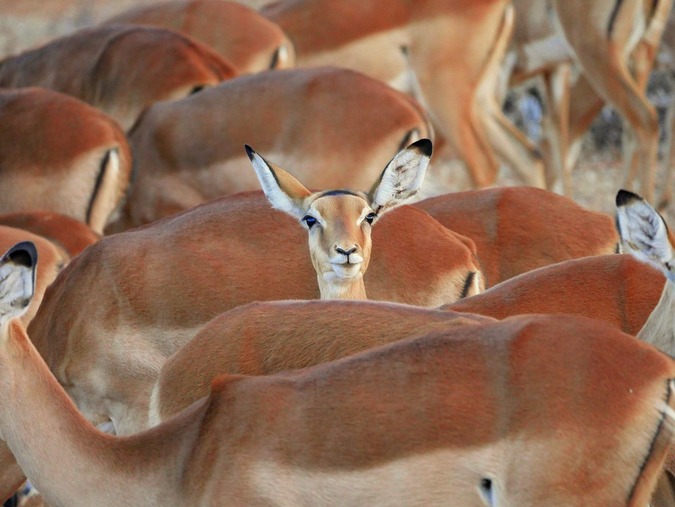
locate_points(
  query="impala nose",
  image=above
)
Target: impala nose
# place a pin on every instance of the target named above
(345, 252)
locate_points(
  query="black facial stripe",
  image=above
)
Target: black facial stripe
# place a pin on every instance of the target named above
(338, 192)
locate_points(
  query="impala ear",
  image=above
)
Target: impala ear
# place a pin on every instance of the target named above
(643, 232)
(17, 280)
(283, 191)
(402, 178)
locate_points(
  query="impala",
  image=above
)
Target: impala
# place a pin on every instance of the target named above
(239, 33)
(335, 127)
(109, 363)
(507, 412)
(53, 261)
(239, 250)
(614, 45)
(60, 154)
(268, 337)
(108, 67)
(69, 235)
(339, 221)
(645, 235)
(445, 53)
(518, 229)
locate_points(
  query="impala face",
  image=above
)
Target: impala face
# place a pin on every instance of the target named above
(339, 225)
(339, 221)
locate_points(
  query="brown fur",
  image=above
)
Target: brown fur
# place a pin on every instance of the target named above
(264, 338)
(95, 66)
(461, 404)
(615, 288)
(238, 250)
(518, 229)
(444, 53)
(67, 233)
(267, 338)
(611, 71)
(332, 127)
(52, 148)
(241, 35)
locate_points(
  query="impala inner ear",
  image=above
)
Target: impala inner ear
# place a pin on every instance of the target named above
(23, 254)
(17, 280)
(487, 492)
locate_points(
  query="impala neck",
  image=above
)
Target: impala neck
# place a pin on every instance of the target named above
(659, 330)
(339, 289)
(62, 454)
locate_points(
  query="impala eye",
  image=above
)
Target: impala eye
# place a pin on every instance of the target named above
(370, 217)
(309, 221)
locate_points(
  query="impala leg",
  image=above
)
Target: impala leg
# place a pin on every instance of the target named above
(460, 89)
(11, 475)
(668, 157)
(474, 148)
(601, 50)
(585, 105)
(642, 64)
(457, 122)
(557, 84)
(510, 144)
(616, 85)
(513, 147)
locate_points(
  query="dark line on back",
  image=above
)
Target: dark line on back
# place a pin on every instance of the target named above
(97, 185)
(467, 285)
(275, 59)
(612, 18)
(651, 447)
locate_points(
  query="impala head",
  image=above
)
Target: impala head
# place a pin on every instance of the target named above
(17, 280)
(339, 221)
(644, 233)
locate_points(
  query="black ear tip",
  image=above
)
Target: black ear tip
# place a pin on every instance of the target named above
(624, 197)
(24, 254)
(249, 151)
(425, 146)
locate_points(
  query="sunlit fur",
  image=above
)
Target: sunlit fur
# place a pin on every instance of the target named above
(390, 38)
(77, 163)
(237, 32)
(509, 402)
(93, 65)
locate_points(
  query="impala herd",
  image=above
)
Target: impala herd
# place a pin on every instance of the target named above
(169, 334)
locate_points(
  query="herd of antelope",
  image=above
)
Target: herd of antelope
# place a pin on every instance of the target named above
(202, 301)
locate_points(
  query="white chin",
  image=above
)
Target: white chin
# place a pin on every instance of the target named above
(346, 271)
